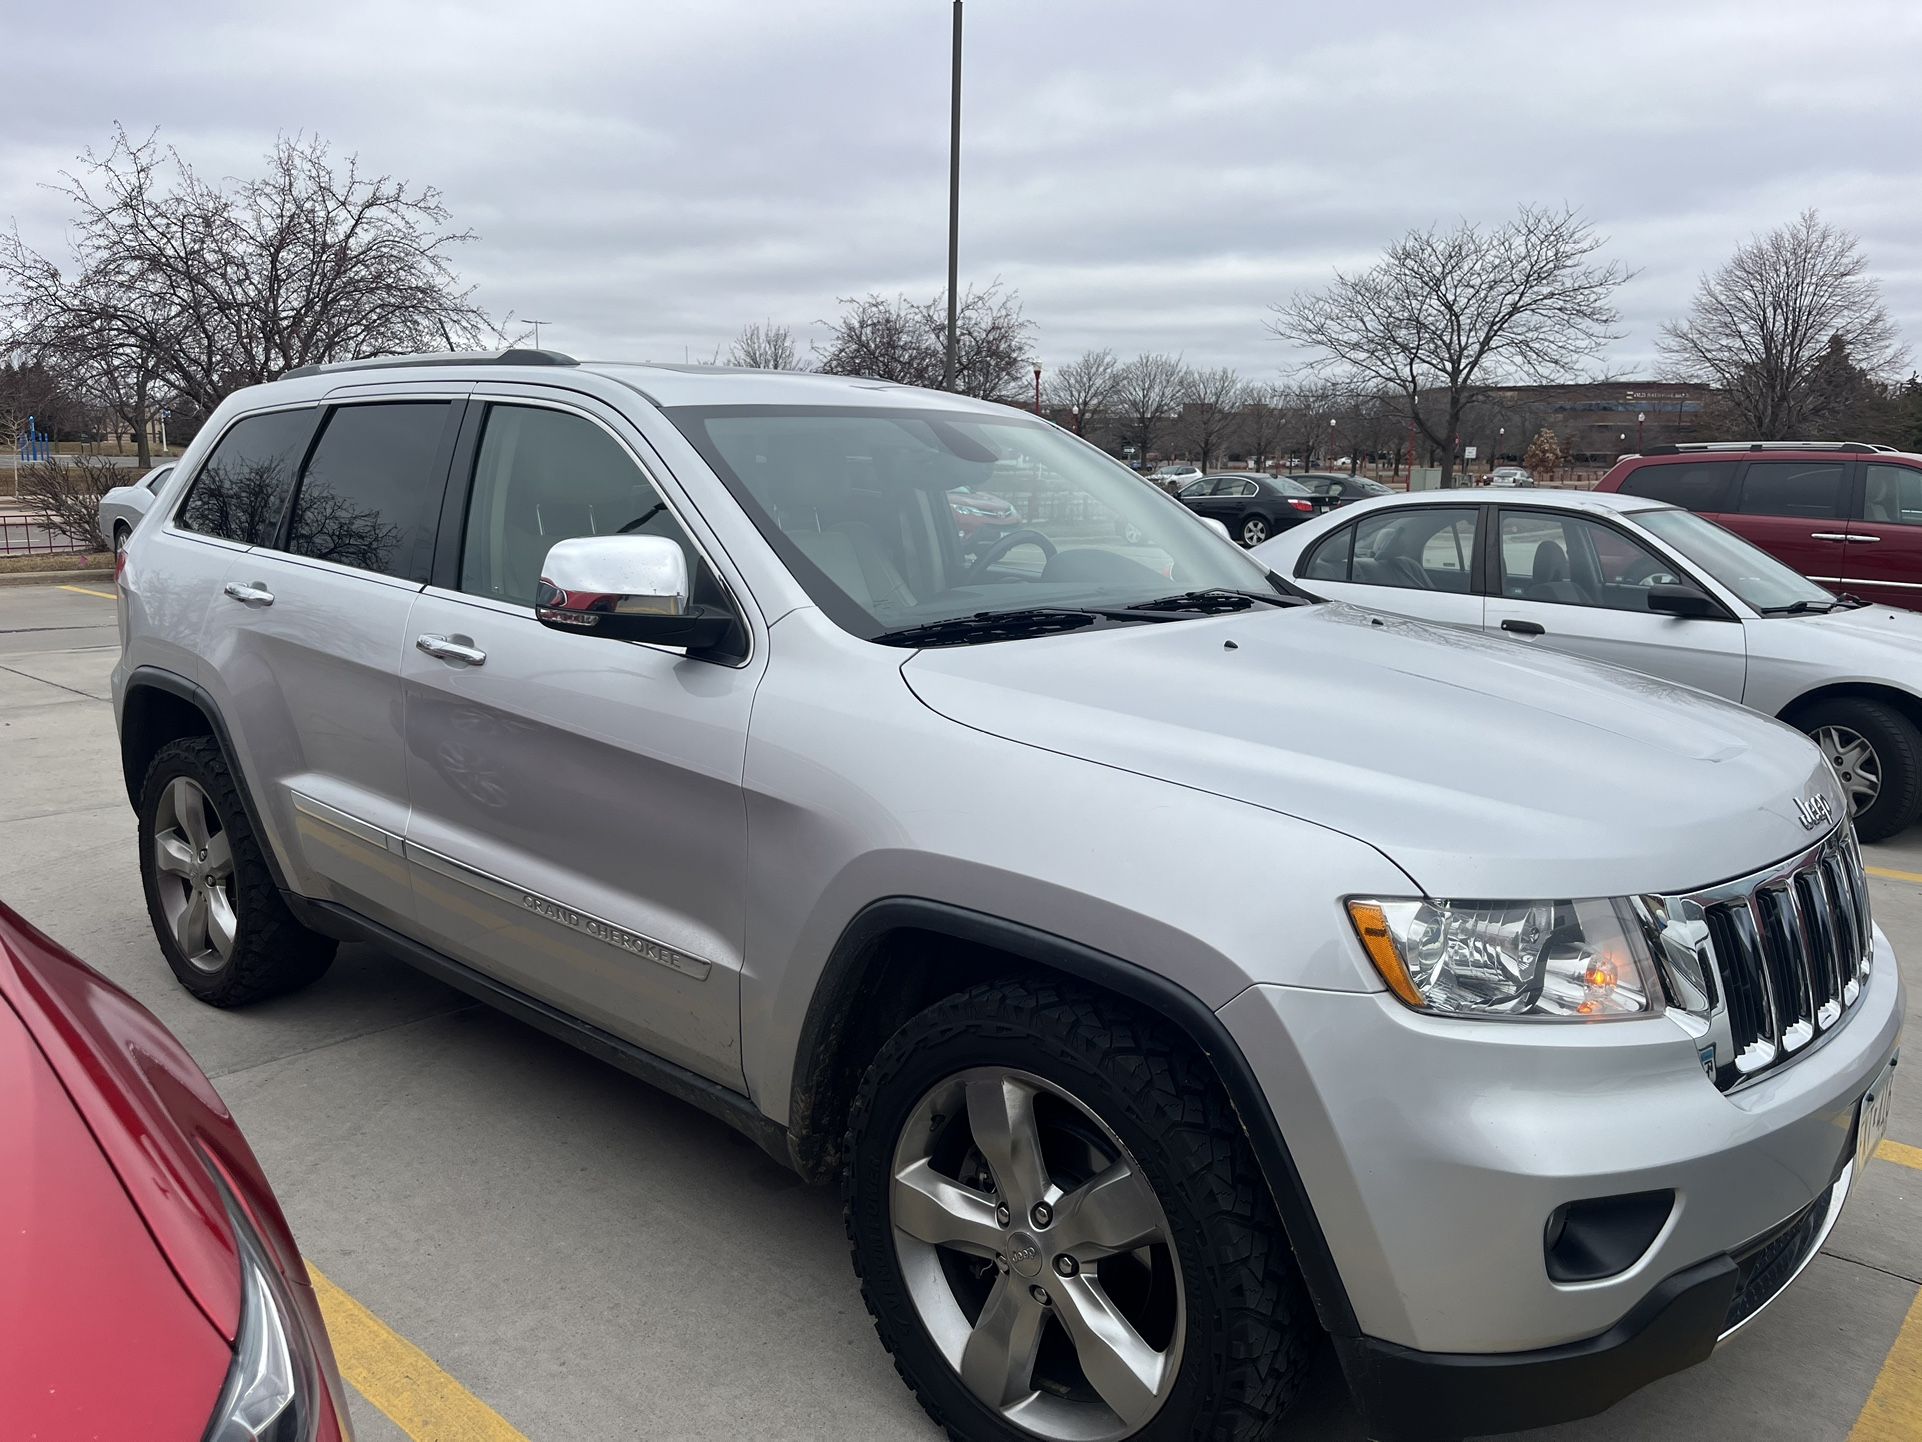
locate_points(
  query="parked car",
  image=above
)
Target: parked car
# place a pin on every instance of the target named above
(123, 506)
(1650, 586)
(152, 1286)
(976, 512)
(1846, 514)
(1510, 477)
(1174, 477)
(1252, 507)
(1339, 489)
(655, 705)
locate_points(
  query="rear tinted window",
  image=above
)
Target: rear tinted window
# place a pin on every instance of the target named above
(1809, 490)
(371, 495)
(242, 489)
(1701, 486)
(1329, 560)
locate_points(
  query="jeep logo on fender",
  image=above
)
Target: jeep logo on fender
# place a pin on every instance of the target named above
(1814, 811)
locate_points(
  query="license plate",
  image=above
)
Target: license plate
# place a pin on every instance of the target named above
(1872, 1119)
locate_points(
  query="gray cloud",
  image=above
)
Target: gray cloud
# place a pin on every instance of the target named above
(648, 177)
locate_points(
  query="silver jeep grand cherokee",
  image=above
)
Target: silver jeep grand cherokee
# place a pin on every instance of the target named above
(1169, 967)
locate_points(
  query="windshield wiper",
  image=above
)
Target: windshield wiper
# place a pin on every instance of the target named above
(1214, 600)
(1801, 608)
(1001, 626)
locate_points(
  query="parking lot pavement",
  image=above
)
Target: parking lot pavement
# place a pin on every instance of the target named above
(585, 1259)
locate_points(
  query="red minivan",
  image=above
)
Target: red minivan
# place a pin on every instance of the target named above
(1843, 513)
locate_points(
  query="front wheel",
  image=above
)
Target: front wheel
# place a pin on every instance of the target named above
(1877, 755)
(1060, 1230)
(1254, 531)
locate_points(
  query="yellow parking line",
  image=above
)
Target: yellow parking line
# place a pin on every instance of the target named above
(82, 590)
(1904, 1156)
(1893, 1412)
(1894, 875)
(400, 1379)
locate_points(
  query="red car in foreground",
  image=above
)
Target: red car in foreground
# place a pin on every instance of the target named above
(149, 1287)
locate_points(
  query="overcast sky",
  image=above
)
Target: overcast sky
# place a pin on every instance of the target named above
(648, 176)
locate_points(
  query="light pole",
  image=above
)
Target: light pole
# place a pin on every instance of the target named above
(1501, 445)
(1640, 416)
(1331, 443)
(1037, 387)
(954, 198)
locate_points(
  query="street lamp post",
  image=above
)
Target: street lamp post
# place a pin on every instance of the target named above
(1501, 446)
(954, 199)
(1331, 443)
(1640, 416)
(1037, 387)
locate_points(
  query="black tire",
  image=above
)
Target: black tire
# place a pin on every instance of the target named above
(272, 953)
(1249, 1328)
(1898, 752)
(120, 535)
(1249, 525)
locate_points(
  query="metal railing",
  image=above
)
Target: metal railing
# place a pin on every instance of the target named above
(27, 536)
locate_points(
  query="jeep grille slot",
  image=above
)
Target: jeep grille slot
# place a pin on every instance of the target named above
(1790, 947)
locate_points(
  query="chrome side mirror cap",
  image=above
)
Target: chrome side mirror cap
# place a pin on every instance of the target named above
(626, 588)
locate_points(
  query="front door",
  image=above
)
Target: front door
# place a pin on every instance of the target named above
(1570, 583)
(1797, 511)
(1884, 554)
(578, 830)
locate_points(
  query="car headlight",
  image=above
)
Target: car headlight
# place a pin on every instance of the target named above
(1580, 960)
(961, 508)
(269, 1395)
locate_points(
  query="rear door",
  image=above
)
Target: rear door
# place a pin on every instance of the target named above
(305, 657)
(1571, 583)
(1414, 560)
(1796, 510)
(1883, 560)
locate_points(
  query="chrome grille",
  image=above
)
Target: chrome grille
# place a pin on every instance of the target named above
(1761, 967)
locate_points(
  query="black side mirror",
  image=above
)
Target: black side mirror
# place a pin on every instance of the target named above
(1685, 601)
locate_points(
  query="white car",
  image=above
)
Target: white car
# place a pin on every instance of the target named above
(123, 506)
(1651, 587)
(1174, 477)
(1510, 476)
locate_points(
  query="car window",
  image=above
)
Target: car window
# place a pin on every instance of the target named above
(1197, 488)
(542, 476)
(1698, 486)
(1328, 561)
(1892, 495)
(1803, 489)
(1239, 488)
(157, 477)
(242, 486)
(371, 494)
(1289, 488)
(1426, 548)
(1573, 561)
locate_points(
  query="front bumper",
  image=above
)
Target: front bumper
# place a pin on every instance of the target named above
(1433, 1152)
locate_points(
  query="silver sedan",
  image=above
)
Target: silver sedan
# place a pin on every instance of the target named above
(1651, 587)
(123, 506)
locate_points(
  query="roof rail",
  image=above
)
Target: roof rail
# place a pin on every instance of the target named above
(1687, 447)
(515, 356)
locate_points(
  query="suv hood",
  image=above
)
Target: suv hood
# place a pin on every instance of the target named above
(1481, 769)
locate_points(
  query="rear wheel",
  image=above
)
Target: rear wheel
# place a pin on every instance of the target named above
(1877, 754)
(120, 534)
(1254, 530)
(219, 918)
(1060, 1231)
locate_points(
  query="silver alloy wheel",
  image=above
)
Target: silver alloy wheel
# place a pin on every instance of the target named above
(1855, 762)
(1060, 1306)
(193, 864)
(1254, 531)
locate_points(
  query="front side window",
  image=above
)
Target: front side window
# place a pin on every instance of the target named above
(1750, 572)
(855, 502)
(371, 494)
(543, 476)
(1574, 561)
(242, 487)
(1421, 548)
(1806, 490)
(1892, 495)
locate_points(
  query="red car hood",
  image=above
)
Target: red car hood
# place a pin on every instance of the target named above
(97, 1336)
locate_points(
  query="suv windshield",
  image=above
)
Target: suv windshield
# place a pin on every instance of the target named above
(880, 515)
(1754, 575)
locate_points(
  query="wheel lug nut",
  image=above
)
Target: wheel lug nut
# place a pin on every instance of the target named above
(1040, 1294)
(1067, 1266)
(1041, 1214)
(1000, 1262)
(1003, 1215)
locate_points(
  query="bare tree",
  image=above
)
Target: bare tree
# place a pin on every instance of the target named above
(1452, 313)
(63, 496)
(765, 346)
(1147, 395)
(1261, 423)
(1306, 407)
(195, 288)
(1761, 327)
(1084, 386)
(1210, 410)
(905, 341)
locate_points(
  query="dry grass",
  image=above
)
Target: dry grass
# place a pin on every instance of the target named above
(63, 561)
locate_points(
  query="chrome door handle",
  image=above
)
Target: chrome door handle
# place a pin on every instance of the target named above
(451, 648)
(1861, 540)
(1827, 536)
(250, 595)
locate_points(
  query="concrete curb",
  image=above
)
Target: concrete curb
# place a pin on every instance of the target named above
(53, 578)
